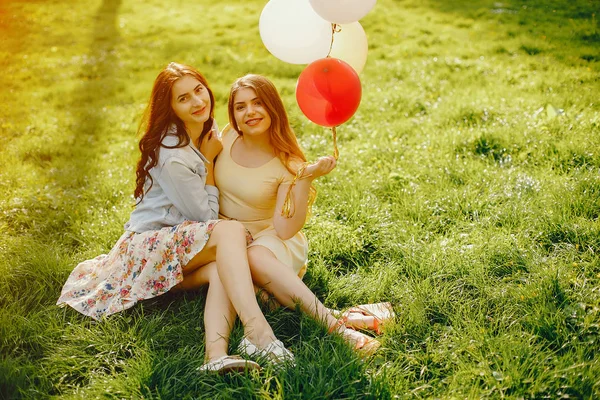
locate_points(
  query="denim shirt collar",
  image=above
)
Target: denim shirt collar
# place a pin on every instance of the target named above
(172, 133)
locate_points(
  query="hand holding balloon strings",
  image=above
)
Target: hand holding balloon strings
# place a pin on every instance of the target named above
(322, 166)
(328, 91)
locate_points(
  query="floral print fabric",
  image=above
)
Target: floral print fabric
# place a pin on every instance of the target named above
(140, 266)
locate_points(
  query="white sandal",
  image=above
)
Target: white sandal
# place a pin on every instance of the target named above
(229, 364)
(275, 352)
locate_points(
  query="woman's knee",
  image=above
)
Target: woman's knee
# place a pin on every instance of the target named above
(260, 259)
(254, 256)
(229, 230)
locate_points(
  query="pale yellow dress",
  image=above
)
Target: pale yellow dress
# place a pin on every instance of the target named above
(249, 195)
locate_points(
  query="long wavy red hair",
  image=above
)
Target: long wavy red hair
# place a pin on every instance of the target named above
(158, 119)
(283, 139)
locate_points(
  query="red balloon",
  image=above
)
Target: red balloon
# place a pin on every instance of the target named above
(328, 92)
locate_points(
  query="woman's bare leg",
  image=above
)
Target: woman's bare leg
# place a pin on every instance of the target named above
(270, 273)
(219, 314)
(227, 245)
(288, 288)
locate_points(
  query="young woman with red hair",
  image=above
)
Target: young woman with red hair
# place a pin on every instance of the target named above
(266, 184)
(174, 233)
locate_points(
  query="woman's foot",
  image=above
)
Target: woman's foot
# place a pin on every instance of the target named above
(227, 364)
(274, 352)
(259, 334)
(361, 342)
(365, 344)
(367, 316)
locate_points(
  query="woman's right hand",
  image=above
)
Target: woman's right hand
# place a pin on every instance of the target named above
(211, 145)
(322, 166)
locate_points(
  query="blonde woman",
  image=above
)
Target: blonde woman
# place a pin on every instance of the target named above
(260, 172)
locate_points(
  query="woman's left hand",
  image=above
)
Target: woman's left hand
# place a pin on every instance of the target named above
(322, 166)
(211, 145)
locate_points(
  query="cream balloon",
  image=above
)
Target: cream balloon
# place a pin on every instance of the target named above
(342, 11)
(350, 45)
(293, 32)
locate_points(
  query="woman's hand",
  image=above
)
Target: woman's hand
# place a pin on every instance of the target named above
(322, 166)
(211, 145)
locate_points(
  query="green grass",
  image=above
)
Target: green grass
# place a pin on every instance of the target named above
(462, 196)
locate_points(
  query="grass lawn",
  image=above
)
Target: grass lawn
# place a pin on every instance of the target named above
(467, 194)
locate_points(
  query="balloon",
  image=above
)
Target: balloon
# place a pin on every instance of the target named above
(328, 92)
(342, 11)
(293, 32)
(350, 45)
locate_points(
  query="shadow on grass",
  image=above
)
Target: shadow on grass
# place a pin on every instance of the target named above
(99, 83)
(9, 23)
(68, 160)
(72, 163)
(66, 168)
(78, 157)
(33, 272)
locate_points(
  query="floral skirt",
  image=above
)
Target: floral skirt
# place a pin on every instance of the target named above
(140, 266)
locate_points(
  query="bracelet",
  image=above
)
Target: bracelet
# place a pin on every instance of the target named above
(288, 210)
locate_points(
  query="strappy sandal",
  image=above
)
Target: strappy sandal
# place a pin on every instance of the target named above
(363, 343)
(369, 316)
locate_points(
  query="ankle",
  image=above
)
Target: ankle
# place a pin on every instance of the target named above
(337, 326)
(261, 339)
(214, 355)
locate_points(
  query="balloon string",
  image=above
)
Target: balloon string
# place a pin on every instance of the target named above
(336, 153)
(288, 210)
(334, 29)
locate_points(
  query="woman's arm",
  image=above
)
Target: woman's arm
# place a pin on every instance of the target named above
(210, 173)
(210, 148)
(193, 198)
(288, 227)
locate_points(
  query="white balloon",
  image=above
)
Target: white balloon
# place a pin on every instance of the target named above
(293, 32)
(342, 11)
(350, 45)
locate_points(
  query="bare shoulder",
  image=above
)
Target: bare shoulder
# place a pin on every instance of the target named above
(228, 131)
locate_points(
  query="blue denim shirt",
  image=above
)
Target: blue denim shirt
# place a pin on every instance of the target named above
(179, 191)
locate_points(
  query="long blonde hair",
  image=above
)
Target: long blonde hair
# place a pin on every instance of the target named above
(283, 139)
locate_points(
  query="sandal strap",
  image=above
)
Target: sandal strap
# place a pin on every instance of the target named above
(338, 324)
(275, 352)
